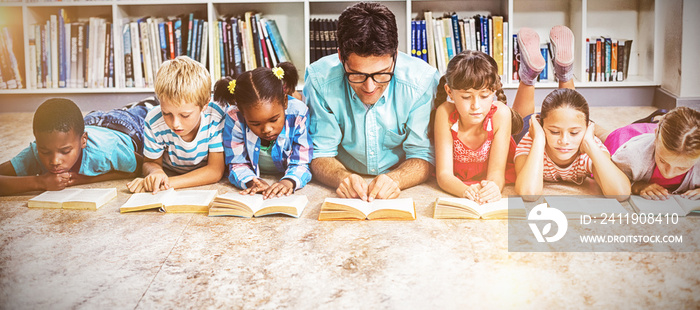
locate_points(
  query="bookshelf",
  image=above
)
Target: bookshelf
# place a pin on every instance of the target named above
(628, 19)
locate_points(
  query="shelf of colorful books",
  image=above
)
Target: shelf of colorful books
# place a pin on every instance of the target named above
(277, 35)
(76, 91)
(332, 9)
(618, 23)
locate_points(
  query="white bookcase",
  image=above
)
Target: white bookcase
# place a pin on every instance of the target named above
(619, 19)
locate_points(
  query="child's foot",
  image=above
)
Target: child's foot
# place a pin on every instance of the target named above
(531, 61)
(563, 50)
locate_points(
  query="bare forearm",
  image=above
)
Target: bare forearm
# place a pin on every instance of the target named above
(530, 177)
(150, 167)
(329, 171)
(410, 173)
(611, 180)
(201, 176)
(451, 184)
(10, 185)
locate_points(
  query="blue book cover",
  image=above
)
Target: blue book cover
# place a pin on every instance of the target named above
(277, 41)
(608, 49)
(45, 74)
(485, 35)
(455, 34)
(545, 54)
(178, 36)
(237, 44)
(62, 60)
(424, 38)
(222, 55)
(419, 40)
(195, 39)
(189, 25)
(163, 41)
(413, 38)
(128, 62)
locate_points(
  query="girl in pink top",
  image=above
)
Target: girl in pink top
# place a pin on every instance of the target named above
(559, 144)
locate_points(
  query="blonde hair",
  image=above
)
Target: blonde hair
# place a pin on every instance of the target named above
(679, 130)
(183, 80)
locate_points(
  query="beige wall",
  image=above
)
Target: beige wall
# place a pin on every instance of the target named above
(672, 28)
(690, 59)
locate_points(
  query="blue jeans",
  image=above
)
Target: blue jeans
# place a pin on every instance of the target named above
(526, 127)
(129, 120)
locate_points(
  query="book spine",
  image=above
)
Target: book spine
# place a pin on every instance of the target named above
(223, 49)
(598, 56)
(178, 37)
(61, 44)
(430, 41)
(190, 29)
(146, 52)
(591, 61)
(498, 42)
(195, 39)
(67, 52)
(111, 76)
(447, 37)
(545, 54)
(516, 63)
(268, 43)
(154, 43)
(204, 43)
(628, 52)
(74, 56)
(462, 34)
(163, 41)
(263, 46)
(103, 55)
(456, 36)
(237, 49)
(608, 47)
(86, 53)
(171, 40)
(251, 51)
(413, 38)
(620, 60)
(423, 40)
(613, 61)
(31, 76)
(136, 55)
(128, 65)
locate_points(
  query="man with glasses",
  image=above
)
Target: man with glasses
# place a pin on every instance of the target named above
(370, 107)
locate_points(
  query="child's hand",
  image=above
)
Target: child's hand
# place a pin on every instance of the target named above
(489, 192)
(156, 181)
(536, 131)
(654, 191)
(284, 187)
(136, 186)
(588, 142)
(54, 182)
(258, 185)
(693, 194)
(472, 192)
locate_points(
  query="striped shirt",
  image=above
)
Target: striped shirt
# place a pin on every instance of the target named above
(182, 156)
(576, 172)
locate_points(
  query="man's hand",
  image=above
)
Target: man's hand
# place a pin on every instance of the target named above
(284, 187)
(258, 185)
(353, 186)
(383, 187)
(54, 182)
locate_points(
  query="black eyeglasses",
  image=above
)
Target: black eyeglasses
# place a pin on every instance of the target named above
(379, 77)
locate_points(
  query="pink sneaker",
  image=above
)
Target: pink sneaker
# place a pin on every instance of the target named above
(531, 61)
(563, 50)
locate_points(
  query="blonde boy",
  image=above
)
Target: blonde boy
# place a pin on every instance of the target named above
(184, 133)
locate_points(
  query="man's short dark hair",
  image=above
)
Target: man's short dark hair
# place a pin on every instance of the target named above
(58, 114)
(367, 29)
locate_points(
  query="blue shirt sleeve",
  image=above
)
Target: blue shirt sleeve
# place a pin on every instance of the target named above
(27, 162)
(235, 152)
(323, 125)
(417, 144)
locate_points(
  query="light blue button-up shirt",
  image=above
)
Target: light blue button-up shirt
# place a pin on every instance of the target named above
(371, 139)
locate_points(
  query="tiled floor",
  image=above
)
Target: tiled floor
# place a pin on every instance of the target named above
(104, 259)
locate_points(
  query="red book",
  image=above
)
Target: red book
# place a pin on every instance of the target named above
(172, 40)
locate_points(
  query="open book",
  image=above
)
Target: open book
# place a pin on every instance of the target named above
(344, 209)
(463, 208)
(234, 204)
(74, 198)
(190, 201)
(573, 207)
(676, 204)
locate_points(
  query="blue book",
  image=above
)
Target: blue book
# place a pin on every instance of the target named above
(62, 60)
(413, 38)
(277, 41)
(424, 41)
(455, 33)
(128, 62)
(178, 36)
(236, 43)
(485, 35)
(163, 41)
(608, 49)
(189, 24)
(195, 39)
(222, 55)
(545, 54)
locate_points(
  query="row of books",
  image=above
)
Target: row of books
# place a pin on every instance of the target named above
(235, 204)
(323, 38)
(437, 40)
(10, 77)
(150, 41)
(607, 59)
(71, 55)
(243, 43)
